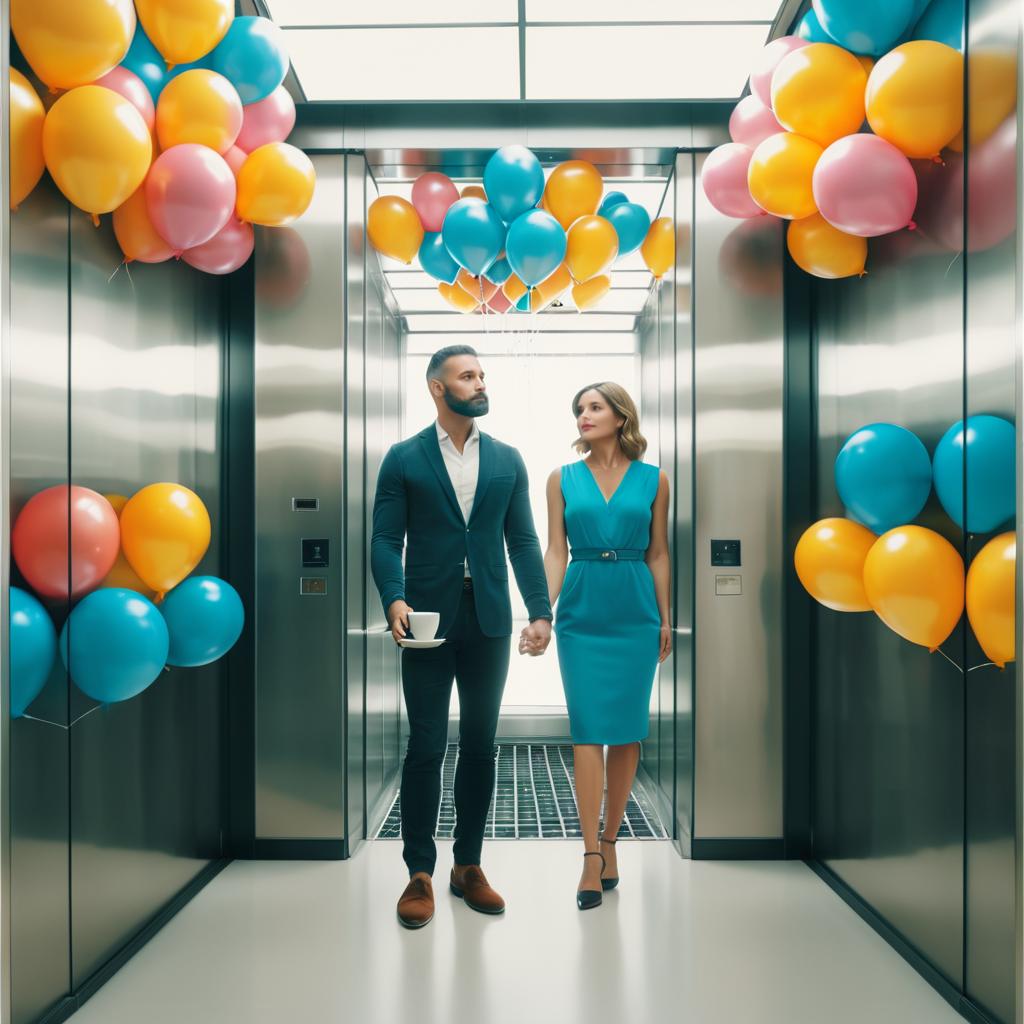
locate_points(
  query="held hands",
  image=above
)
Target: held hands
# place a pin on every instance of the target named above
(398, 617)
(535, 638)
(665, 643)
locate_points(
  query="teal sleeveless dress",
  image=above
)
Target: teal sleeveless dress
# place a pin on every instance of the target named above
(607, 625)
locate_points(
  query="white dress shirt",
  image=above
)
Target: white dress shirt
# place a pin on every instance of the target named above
(463, 469)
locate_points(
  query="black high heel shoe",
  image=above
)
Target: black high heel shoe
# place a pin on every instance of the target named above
(608, 883)
(588, 898)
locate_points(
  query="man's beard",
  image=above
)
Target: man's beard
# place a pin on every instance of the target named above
(477, 406)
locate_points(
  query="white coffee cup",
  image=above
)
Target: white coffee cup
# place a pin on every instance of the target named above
(423, 625)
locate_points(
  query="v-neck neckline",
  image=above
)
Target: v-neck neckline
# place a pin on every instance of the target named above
(608, 501)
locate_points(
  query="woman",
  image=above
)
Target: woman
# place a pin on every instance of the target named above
(612, 620)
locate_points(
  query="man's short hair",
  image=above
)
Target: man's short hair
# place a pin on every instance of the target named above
(441, 356)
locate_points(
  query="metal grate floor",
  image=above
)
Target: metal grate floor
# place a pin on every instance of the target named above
(533, 798)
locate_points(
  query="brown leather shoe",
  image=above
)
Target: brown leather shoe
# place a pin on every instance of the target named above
(468, 881)
(416, 905)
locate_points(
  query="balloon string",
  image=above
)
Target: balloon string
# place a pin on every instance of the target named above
(949, 659)
(984, 664)
(60, 725)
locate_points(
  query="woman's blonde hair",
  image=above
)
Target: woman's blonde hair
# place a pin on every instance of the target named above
(632, 442)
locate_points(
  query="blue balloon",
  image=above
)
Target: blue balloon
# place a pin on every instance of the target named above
(473, 234)
(991, 472)
(499, 271)
(610, 200)
(119, 644)
(144, 60)
(883, 476)
(435, 258)
(535, 246)
(204, 617)
(631, 222)
(513, 181)
(865, 26)
(253, 57)
(523, 303)
(943, 22)
(33, 649)
(811, 30)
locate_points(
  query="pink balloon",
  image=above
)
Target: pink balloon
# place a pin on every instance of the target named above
(432, 194)
(190, 194)
(751, 122)
(767, 61)
(127, 84)
(225, 252)
(725, 181)
(270, 120)
(235, 157)
(865, 186)
(499, 302)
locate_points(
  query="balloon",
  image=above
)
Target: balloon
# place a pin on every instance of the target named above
(866, 26)
(865, 186)
(435, 258)
(165, 531)
(474, 234)
(473, 192)
(135, 233)
(144, 60)
(204, 617)
(185, 30)
(818, 92)
(122, 574)
(591, 247)
(457, 297)
(127, 84)
(97, 148)
(114, 644)
(823, 250)
(514, 289)
(478, 288)
(724, 179)
(70, 44)
(283, 267)
(199, 106)
(535, 246)
(991, 92)
(26, 125)
(811, 30)
(525, 303)
(590, 293)
(829, 560)
(780, 175)
(432, 195)
(229, 249)
(631, 222)
(276, 185)
(498, 303)
(573, 190)
(555, 285)
(883, 476)
(235, 158)
(612, 199)
(253, 57)
(751, 122)
(915, 97)
(914, 580)
(991, 446)
(991, 598)
(190, 194)
(270, 120)
(394, 228)
(659, 248)
(33, 647)
(499, 271)
(767, 61)
(942, 22)
(39, 540)
(514, 181)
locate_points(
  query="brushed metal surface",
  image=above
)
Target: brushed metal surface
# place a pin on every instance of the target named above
(738, 393)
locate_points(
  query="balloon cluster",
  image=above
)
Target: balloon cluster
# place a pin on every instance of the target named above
(800, 150)
(171, 116)
(910, 576)
(126, 556)
(516, 241)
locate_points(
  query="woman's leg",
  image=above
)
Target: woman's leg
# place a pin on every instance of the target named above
(588, 768)
(622, 762)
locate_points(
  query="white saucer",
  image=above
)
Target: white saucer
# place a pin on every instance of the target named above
(418, 645)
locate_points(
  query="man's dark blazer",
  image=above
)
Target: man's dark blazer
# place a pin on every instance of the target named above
(415, 499)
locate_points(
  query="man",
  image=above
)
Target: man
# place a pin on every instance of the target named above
(459, 496)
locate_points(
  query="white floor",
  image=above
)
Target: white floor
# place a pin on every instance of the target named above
(678, 941)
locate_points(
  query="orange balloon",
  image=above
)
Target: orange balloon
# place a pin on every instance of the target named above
(591, 292)
(779, 175)
(537, 300)
(135, 233)
(573, 190)
(457, 297)
(914, 580)
(27, 117)
(866, 62)
(991, 90)
(394, 228)
(199, 106)
(185, 30)
(591, 248)
(514, 289)
(991, 598)
(473, 191)
(478, 288)
(823, 250)
(555, 284)
(829, 560)
(659, 247)
(275, 185)
(123, 575)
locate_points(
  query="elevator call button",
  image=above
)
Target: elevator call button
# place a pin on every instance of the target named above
(725, 552)
(315, 553)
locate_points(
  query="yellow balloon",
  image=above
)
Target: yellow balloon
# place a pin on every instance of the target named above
(457, 297)
(591, 292)
(394, 228)
(991, 598)
(473, 191)
(829, 560)
(991, 91)
(97, 148)
(537, 300)
(818, 92)
(591, 248)
(823, 250)
(574, 189)
(185, 30)
(165, 531)
(514, 289)
(199, 106)
(556, 284)
(779, 175)
(659, 247)
(866, 62)
(275, 185)
(915, 582)
(72, 42)
(915, 97)
(122, 574)
(27, 117)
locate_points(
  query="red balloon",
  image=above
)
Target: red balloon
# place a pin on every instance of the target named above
(225, 252)
(39, 540)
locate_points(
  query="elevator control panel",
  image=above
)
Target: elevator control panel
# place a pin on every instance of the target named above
(312, 586)
(315, 553)
(725, 552)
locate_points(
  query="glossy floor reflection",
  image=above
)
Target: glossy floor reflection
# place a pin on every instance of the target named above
(702, 942)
